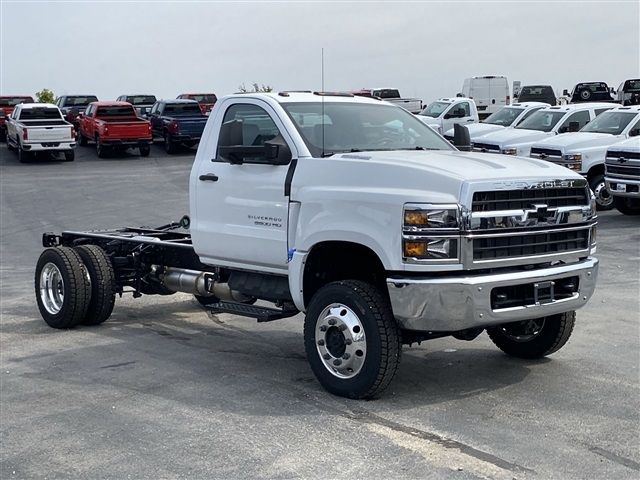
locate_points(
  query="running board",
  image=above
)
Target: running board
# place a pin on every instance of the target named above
(262, 314)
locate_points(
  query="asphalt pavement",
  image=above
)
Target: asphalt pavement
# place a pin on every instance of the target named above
(165, 390)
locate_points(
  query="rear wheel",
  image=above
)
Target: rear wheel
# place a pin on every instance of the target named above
(101, 150)
(534, 338)
(144, 151)
(627, 206)
(352, 340)
(102, 283)
(23, 157)
(62, 287)
(69, 156)
(169, 145)
(604, 199)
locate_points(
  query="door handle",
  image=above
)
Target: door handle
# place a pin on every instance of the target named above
(470, 120)
(210, 177)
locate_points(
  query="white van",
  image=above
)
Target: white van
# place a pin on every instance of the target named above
(490, 93)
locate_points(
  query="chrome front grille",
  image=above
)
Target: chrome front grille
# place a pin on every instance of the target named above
(485, 147)
(523, 199)
(622, 170)
(543, 153)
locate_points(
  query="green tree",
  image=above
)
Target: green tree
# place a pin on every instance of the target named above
(255, 87)
(45, 96)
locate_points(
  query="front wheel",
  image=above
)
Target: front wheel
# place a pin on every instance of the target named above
(82, 140)
(627, 206)
(604, 199)
(534, 338)
(352, 340)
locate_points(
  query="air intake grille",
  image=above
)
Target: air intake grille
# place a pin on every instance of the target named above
(549, 152)
(530, 244)
(525, 199)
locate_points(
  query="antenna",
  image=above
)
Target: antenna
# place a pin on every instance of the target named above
(322, 100)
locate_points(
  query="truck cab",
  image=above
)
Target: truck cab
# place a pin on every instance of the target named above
(177, 122)
(7, 104)
(142, 103)
(545, 123)
(585, 151)
(444, 113)
(73, 105)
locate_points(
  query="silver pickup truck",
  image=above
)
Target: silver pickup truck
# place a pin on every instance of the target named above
(37, 127)
(392, 95)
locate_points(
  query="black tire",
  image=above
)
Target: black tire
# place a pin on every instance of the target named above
(551, 335)
(169, 145)
(3, 135)
(585, 95)
(23, 157)
(76, 293)
(103, 283)
(627, 206)
(10, 146)
(381, 331)
(82, 140)
(69, 156)
(101, 150)
(604, 199)
(145, 151)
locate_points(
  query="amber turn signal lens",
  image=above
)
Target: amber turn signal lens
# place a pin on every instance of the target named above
(415, 217)
(415, 249)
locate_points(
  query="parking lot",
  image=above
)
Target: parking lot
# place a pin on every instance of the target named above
(165, 390)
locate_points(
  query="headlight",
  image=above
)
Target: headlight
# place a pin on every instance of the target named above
(418, 217)
(573, 161)
(509, 151)
(430, 248)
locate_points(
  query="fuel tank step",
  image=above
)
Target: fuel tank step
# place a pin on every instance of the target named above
(262, 314)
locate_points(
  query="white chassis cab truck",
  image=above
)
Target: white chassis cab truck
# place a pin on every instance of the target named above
(355, 213)
(39, 127)
(622, 174)
(443, 114)
(585, 151)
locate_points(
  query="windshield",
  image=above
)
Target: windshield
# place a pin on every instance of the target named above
(13, 101)
(40, 114)
(535, 91)
(434, 109)
(542, 120)
(610, 122)
(182, 109)
(79, 101)
(116, 111)
(203, 98)
(504, 117)
(386, 93)
(632, 86)
(356, 127)
(142, 100)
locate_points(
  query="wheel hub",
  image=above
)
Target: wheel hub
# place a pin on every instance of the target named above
(51, 288)
(524, 331)
(341, 341)
(603, 196)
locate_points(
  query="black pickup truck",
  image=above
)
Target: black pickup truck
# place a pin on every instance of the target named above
(178, 122)
(590, 92)
(72, 105)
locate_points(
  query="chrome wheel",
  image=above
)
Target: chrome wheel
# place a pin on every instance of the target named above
(603, 196)
(340, 341)
(51, 288)
(524, 331)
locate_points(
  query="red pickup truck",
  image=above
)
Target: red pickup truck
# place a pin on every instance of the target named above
(114, 126)
(7, 104)
(205, 100)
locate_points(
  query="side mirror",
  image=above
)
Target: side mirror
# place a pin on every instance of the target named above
(277, 151)
(461, 138)
(574, 126)
(565, 92)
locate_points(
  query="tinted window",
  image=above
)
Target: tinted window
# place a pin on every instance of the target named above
(387, 93)
(12, 101)
(354, 127)
(202, 98)
(141, 99)
(598, 111)
(542, 120)
(257, 127)
(462, 109)
(581, 117)
(504, 117)
(182, 109)
(40, 114)
(632, 85)
(610, 122)
(116, 111)
(78, 101)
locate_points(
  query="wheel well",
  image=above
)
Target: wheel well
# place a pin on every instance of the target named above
(332, 261)
(595, 170)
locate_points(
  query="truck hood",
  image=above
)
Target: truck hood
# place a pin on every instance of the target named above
(478, 129)
(578, 141)
(511, 136)
(630, 145)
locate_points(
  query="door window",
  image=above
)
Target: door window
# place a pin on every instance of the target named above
(581, 117)
(257, 127)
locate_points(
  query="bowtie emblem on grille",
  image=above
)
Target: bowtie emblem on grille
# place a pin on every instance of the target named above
(543, 155)
(541, 212)
(622, 159)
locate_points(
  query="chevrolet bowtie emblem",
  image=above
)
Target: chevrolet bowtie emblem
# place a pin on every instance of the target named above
(541, 212)
(543, 155)
(622, 159)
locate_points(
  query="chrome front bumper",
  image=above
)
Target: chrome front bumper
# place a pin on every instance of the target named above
(631, 187)
(448, 304)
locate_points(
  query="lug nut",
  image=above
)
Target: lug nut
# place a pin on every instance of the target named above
(323, 328)
(348, 341)
(326, 356)
(346, 356)
(343, 327)
(332, 321)
(337, 362)
(320, 342)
